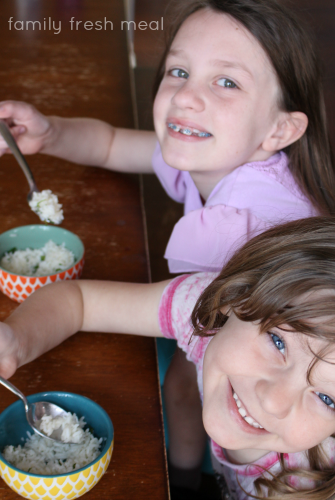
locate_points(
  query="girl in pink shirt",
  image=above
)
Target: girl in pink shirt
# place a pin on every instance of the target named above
(261, 335)
(242, 141)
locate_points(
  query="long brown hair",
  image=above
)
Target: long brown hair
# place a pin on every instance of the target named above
(262, 282)
(288, 45)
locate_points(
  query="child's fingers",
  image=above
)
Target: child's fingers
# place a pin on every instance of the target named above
(9, 349)
(15, 112)
(16, 131)
(3, 143)
(8, 367)
(7, 108)
(4, 151)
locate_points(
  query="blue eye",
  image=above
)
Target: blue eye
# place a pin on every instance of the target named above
(178, 73)
(278, 342)
(326, 399)
(228, 84)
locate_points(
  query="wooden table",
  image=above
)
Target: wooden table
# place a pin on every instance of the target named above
(85, 73)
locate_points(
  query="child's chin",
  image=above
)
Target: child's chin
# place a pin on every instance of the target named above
(175, 160)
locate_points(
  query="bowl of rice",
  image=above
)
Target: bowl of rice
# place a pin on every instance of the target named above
(36, 255)
(40, 469)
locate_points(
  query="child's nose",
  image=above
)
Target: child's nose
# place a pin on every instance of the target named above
(189, 96)
(278, 397)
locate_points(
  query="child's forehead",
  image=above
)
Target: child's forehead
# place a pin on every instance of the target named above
(315, 308)
(212, 30)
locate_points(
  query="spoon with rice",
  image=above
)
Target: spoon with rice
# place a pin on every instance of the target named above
(43, 203)
(49, 420)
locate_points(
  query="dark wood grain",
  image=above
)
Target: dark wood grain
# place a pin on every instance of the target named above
(85, 73)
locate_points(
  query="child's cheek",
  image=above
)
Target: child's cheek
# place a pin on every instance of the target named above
(156, 115)
(209, 420)
(162, 104)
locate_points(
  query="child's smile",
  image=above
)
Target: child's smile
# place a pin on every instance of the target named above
(244, 413)
(256, 394)
(187, 130)
(218, 100)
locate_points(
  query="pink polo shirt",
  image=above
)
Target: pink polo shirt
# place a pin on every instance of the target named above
(176, 305)
(244, 203)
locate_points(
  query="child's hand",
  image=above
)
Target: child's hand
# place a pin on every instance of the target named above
(9, 351)
(28, 126)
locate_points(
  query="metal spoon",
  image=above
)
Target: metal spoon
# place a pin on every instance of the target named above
(35, 412)
(7, 135)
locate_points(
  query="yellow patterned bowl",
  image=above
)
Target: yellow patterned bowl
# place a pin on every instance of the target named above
(13, 430)
(18, 287)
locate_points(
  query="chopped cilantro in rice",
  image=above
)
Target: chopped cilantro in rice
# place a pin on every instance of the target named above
(46, 206)
(44, 261)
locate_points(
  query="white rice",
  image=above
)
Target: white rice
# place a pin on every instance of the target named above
(46, 206)
(71, 428)
(44, 261)
(41, 456)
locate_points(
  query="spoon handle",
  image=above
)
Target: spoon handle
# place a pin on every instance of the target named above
(16, 391)
(7, 135)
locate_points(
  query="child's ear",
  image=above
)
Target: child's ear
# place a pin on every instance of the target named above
(289, 128)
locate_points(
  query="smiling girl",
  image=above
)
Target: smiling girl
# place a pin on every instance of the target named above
(240, 138)
(262, 340)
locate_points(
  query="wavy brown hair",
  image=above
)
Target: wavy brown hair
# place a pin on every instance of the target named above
(262, 282)
(287, 42)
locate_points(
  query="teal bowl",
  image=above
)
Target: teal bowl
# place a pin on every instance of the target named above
(19, 287)
(14, 428)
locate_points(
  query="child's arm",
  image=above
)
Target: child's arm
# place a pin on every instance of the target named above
(80, 140)
(55, 312)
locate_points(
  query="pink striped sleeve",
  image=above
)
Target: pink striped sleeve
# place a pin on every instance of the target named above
(177, 303)
(165, 307)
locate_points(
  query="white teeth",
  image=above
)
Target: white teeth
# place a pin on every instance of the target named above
(243, 413)
(188, 131)
(174, 127)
